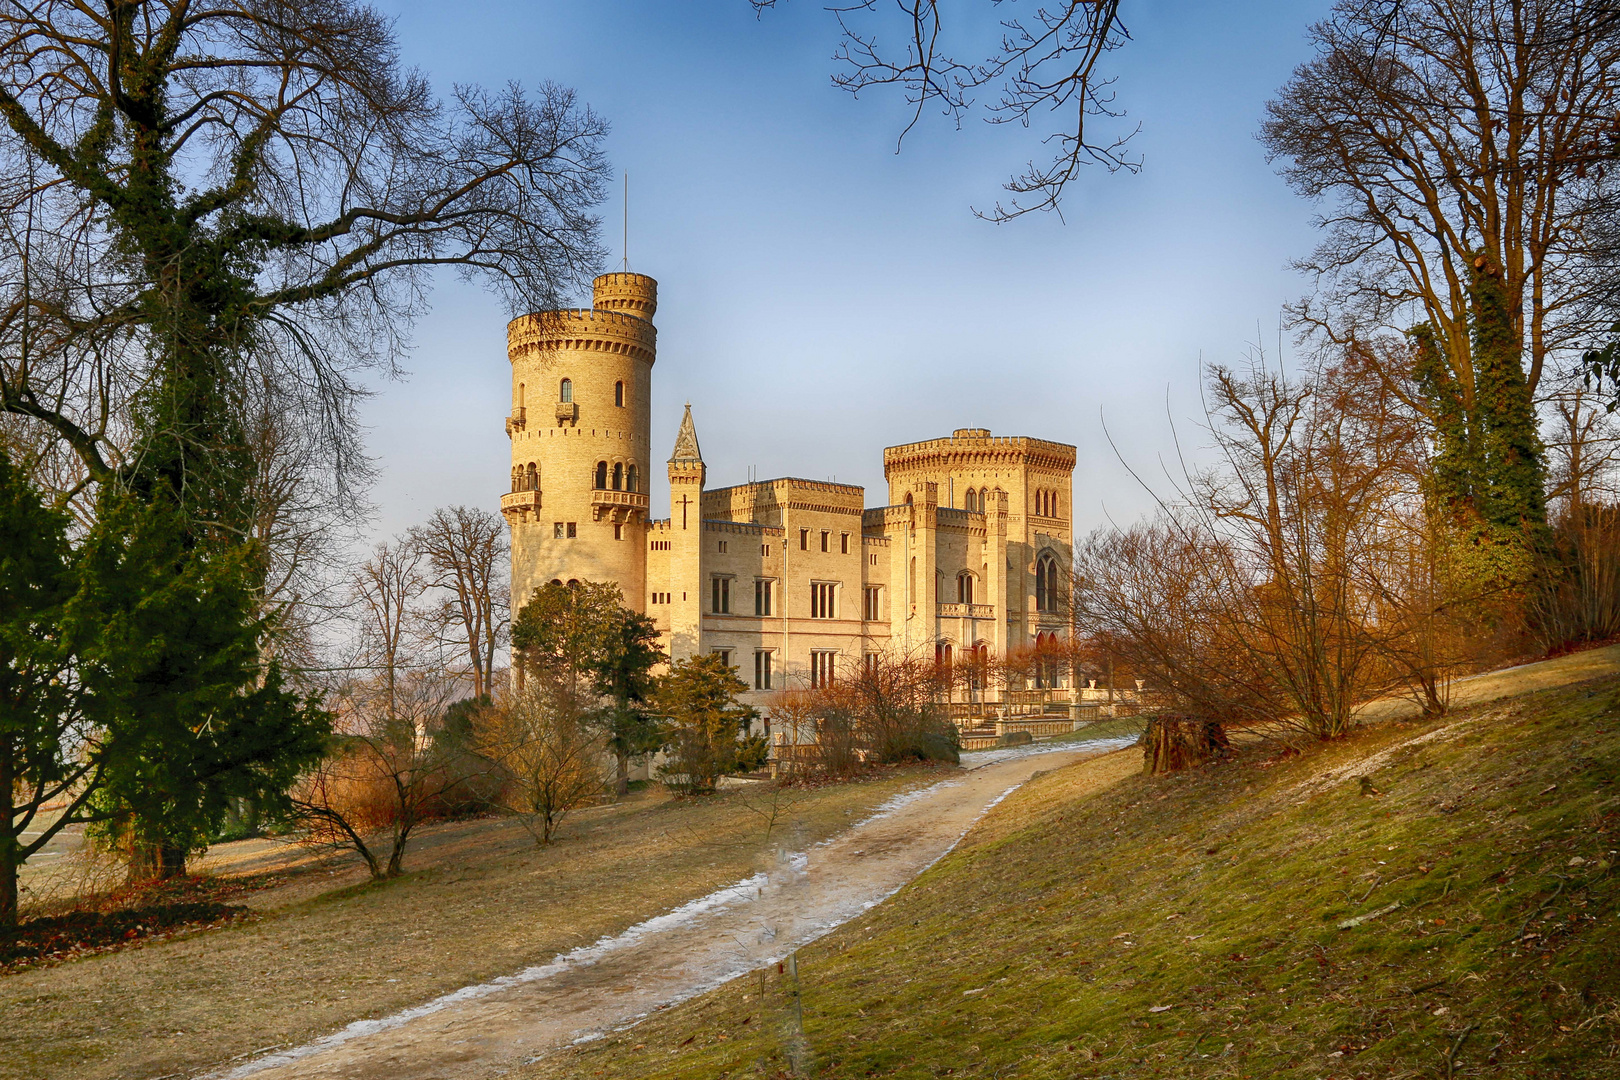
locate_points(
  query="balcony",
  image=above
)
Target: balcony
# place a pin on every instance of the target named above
(518, 505)
(567, 412)
(517, 421)
(618, 505)
(967, 611)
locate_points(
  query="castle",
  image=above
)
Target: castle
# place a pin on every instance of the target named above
(790, 580)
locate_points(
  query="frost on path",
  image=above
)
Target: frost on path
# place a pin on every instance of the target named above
(582, 994)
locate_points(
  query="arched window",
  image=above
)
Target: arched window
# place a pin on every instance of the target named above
(908, 498)
(618, 476)
(517, 479)
(520, 395)
(565, 393)
(984, 499)
(971, 500)
(630, 479)
(964, 588)
(1046, 584)
(601, 475)
(618, 394)
(534, 477)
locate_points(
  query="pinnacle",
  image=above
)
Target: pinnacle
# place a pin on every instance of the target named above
(686, 442)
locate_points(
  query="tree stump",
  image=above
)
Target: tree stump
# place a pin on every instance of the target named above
(1173, 742)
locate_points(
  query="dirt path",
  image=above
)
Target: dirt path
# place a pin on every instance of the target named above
(480, 1030)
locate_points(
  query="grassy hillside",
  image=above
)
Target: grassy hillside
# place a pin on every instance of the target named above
(1260, 918)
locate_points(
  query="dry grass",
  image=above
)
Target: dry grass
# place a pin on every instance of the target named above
(1196, 925)
(327, 948)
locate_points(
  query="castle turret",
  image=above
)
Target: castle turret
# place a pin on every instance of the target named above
(580, 423)
(686, 476)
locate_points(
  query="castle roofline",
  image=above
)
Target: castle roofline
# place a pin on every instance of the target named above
(795, 481)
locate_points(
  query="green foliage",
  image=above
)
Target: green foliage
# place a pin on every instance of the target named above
(43, 731)
(171, 652)
(583, 637)
(708, 732)
(456, 726)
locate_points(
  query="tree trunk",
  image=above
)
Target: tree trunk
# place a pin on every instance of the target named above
(8, 897)
(621, 784)
(1172, 743)
(156, 862)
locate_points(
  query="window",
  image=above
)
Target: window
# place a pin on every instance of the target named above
(869, 603)
(660, 545)
(874, 558)
(823, 599)
(618, 394)
(821, 668)
(660, 597)
(630, 479)
(804, 539)
(572, 526)
(565, 392)
(534, 477)
(557, 530)
(720, 590)
(618, 531)
(1046, 584)
(964, 588)
(824, 535)
(843, 543)
(721, 548)
(601, 475)
(762, 598)
(971, 502)
(618, 476)
(869, 662)
(762, 669)
(764, 549)
(942, 654)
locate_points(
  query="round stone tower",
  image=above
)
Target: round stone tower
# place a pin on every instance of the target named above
(580, 426)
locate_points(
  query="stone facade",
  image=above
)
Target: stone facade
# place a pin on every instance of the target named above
(794, 579)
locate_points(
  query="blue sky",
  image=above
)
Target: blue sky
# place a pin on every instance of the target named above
(822, 296)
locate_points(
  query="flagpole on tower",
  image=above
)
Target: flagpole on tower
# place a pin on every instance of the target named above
(627, 222)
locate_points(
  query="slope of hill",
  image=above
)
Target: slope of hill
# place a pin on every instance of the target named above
(1435, 899)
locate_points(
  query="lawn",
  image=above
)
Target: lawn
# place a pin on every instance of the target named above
(324, 947)
(1267, 917)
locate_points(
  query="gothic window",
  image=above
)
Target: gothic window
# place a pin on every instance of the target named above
(971, 500)
(964, 588)
(618, 476)
(601, 476)
(618, 394)
(565, 392)
(1046, 584)
(630, 479)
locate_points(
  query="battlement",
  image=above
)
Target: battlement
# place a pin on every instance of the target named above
(585, 329)
(629, 294)
(977, 448)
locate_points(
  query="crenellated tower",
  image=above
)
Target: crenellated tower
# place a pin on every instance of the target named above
(580, 430)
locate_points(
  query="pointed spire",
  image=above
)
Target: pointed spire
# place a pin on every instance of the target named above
(686, 444)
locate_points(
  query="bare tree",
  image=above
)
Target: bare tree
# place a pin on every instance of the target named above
(383, 777)
(1441, 132)
(466, 550)
(553, 752)
(256, 193)
(386, 591)
(1049, 61)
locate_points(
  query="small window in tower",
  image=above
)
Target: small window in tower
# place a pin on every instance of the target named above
(573, 528)
(601, 475)
(630, 479)
(565, 392)
(618, 531)
(843, 543)
(618, 394)
(534, 477)
(722, 547)
(618, 476)
(824, 535)
(804, 539)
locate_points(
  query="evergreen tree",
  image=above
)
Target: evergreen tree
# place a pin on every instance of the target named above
(708, 731)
